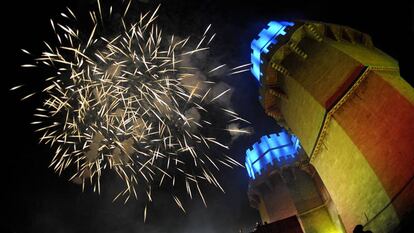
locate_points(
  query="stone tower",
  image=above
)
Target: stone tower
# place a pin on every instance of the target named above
(345, 101)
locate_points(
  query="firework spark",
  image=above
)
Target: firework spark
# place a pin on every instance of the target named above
(129, 103)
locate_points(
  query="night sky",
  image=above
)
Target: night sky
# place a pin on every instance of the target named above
(38, 200)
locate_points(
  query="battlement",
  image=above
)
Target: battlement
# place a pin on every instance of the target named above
(275, 149)
(266, 38)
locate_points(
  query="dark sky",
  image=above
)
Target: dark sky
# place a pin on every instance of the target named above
(37, 200)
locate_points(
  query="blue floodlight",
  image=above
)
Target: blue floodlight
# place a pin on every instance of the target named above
(261, 45)
(269, 150)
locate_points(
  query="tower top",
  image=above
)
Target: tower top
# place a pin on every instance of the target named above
(266, 37)
(278, 148)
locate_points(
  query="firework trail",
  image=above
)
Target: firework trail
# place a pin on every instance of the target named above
(130, 104)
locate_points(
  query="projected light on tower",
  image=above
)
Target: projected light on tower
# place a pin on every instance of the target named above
(266, 38)
(279, 149)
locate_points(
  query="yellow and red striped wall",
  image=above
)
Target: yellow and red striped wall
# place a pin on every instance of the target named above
(353, 114)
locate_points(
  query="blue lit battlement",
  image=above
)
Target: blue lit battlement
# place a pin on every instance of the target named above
(275, 148)
(261, 45)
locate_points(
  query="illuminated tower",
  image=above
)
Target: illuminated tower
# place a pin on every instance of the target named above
(352, 112)
(286, 189)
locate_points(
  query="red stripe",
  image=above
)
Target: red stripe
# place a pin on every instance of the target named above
(343, 88)
(379, 120)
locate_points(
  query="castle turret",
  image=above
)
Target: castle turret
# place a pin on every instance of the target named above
(345, 101)
(284, 186)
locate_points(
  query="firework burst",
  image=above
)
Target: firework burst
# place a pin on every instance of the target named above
(132, 104)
